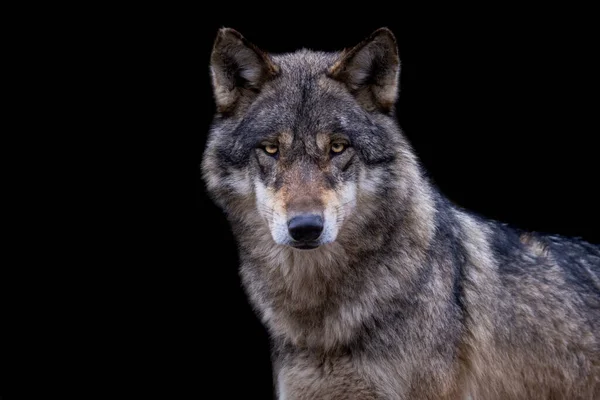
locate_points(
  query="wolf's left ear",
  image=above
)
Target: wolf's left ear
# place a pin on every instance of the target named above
(238, 69)
(370, 70)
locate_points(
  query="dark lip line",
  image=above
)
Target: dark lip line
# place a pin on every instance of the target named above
(304, 245)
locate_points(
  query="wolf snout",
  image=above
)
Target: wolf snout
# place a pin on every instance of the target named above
(306, 227)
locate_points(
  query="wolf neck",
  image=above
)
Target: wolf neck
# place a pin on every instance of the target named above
(320, 298)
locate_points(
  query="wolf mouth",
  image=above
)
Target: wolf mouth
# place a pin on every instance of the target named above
(305, 245)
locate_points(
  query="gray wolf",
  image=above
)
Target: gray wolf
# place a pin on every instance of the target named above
(373, 285)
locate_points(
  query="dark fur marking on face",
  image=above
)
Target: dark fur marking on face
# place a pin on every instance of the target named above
(264, 163)
(248, 134)
(348, 162)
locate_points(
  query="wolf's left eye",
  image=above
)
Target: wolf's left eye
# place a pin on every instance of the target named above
(271, 149)
(338, 148)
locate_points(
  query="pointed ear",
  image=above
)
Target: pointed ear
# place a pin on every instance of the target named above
(370, 70)
(238, 69)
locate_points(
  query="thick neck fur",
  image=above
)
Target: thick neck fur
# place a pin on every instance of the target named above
(322, 298)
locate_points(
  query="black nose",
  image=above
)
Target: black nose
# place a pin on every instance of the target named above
(305, 228)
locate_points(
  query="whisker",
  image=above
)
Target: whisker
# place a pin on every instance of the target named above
(266, 210)
(344, 204)
(270, 214)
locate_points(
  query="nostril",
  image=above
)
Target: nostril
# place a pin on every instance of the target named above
(305, 228)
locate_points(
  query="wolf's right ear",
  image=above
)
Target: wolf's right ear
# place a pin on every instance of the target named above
(238, 69)
(370, 70)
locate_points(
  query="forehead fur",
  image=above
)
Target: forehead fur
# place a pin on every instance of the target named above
(303, 97)
(304, 63)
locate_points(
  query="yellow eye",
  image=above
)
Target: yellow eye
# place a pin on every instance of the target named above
(271, 149)
(338, 147)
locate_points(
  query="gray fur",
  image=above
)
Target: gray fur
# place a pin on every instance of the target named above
(407, 296)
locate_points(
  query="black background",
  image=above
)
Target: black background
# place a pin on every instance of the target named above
(500, 105)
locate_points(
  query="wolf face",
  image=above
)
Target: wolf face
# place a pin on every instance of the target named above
(300, 138)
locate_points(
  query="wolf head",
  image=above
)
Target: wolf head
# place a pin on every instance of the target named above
(300, 139)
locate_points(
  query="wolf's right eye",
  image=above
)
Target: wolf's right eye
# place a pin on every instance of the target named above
(271, 149)
(338, 147)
